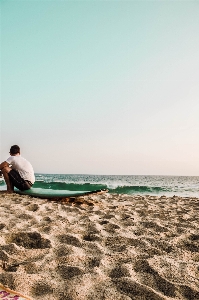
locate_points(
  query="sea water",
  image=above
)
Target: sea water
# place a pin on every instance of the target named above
(185, 186)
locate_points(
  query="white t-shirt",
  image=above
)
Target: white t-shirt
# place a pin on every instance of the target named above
(23, 166)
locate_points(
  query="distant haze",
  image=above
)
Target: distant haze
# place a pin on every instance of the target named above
(101, 87)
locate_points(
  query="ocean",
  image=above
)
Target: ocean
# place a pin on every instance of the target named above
(185, 186)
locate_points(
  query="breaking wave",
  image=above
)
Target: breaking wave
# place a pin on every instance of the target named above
(131, 189)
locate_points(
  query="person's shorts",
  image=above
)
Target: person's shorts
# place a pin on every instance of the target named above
(18, 181)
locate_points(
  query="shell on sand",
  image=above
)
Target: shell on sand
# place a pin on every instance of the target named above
(110, 247)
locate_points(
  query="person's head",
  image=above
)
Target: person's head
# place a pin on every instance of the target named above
(14, 150)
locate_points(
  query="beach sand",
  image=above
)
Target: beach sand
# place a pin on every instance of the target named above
(113, 247)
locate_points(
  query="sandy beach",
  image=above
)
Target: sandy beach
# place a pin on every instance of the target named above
(104, 246)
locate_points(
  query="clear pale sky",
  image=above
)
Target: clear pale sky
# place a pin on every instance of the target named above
(101, 87)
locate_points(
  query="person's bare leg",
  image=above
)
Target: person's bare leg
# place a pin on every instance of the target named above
(10, 187)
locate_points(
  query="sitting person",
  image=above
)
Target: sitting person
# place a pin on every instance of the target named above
(17, 171)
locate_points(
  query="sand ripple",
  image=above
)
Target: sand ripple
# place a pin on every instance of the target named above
(110, 247)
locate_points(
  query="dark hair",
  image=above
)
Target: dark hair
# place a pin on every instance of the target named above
(14, 149)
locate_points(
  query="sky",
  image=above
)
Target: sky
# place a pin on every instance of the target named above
(101, 87)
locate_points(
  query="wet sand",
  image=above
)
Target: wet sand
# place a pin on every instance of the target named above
(110, 247)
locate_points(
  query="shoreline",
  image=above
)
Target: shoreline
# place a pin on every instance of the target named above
(108, 246)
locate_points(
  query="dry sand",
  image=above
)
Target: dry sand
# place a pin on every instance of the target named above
(113, 247)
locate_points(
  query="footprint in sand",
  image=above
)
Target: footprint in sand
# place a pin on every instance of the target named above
(106, 290)
(116, 244)
(92, 248)
(191, 243)
(154, 280)
(90, 237)
(10, 248)
(33, 207)
(32, 268)
(2, 225)
(111, 228)
(67, 272)
(41, 288)
(8, 279)
(3, 256)
(154, 226)
(93, 262)
(63, 250)
(120, 271)
(47, 219)
(30, 240)
(103, 222)
(24, 216)
(69, 239)
(135, 290)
